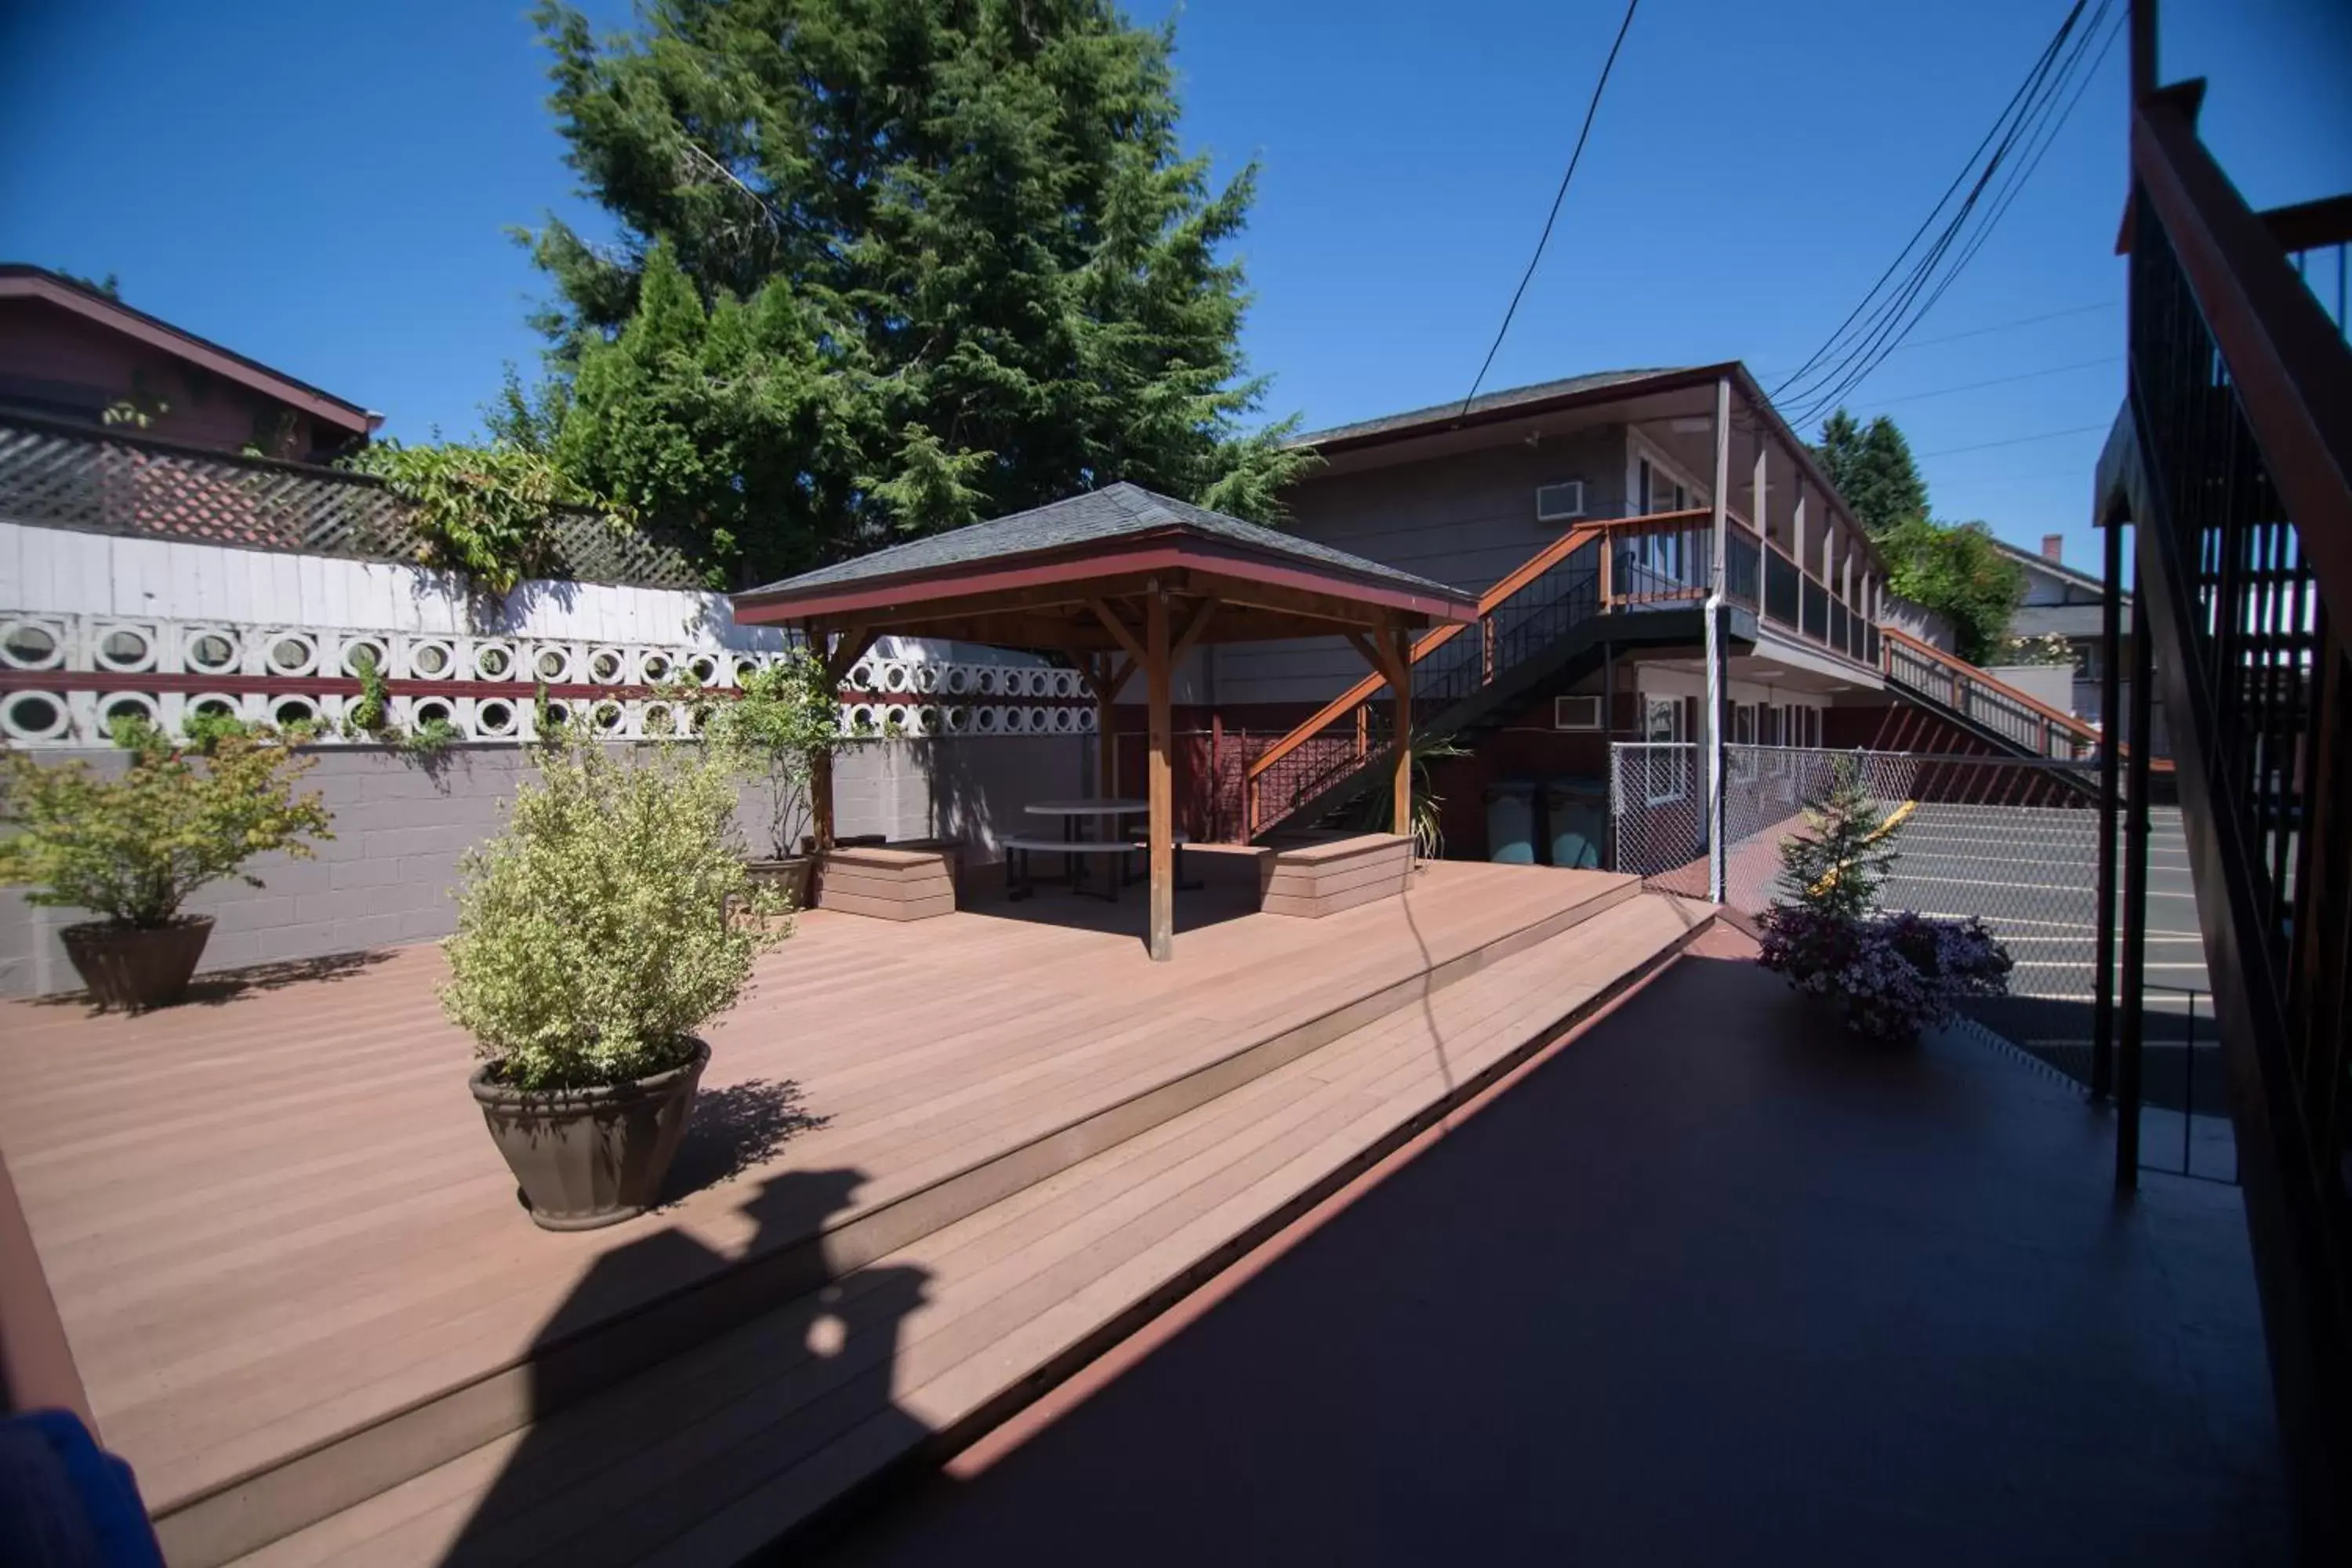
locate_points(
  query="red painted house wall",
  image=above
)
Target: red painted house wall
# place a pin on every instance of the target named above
(59, 365)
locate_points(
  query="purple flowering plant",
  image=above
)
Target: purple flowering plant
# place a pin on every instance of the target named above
(1889, 975)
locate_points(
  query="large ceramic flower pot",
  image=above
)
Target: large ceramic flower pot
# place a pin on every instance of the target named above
(135, 969)
(590, 1157)
(794, 875)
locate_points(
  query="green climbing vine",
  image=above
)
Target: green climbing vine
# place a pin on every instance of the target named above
(482, 511)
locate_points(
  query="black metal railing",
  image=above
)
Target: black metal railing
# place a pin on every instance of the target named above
(1561, 598)
(2232, 466)
(1743, 568)
(1783, 589)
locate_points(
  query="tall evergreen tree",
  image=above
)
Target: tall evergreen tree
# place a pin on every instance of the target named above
(1872, 468)
(885, 267)
(1950, 568)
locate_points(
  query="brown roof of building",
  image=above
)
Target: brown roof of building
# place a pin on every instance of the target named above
(19, 280)
(1515, 399)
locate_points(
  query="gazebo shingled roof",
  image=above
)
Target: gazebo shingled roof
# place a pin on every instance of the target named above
(1117, 580)
(1114, 512)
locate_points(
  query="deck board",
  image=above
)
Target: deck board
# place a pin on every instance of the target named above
(719, 1450)
(269, 1217)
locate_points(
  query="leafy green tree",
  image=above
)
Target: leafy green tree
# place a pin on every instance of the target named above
(1872, 468)
(133, 844)
(482, 510)
(1950, 568)
(1956, 569)
(886, 267)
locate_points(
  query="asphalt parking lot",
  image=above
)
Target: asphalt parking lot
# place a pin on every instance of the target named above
(2031, 873)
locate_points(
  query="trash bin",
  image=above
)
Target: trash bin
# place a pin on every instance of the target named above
(1576, 812)
(1511, 822)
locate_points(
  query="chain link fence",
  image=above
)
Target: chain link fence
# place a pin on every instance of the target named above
(2011, 841)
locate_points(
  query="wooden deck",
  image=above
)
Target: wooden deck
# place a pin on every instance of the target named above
(298, 1289)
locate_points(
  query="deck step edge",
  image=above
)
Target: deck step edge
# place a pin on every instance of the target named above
(239, 1516)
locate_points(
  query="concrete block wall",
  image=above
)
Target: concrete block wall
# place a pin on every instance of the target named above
(387, 876)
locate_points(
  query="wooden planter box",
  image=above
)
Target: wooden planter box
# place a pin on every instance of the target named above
(890, 882)
(1312, 880)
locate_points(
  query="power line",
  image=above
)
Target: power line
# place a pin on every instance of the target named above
(1900, 312)
(1591, 110)
(2038, 132)
(2041, 66)
(2016, 441)
(1996, 381)
(2005, 326)
(1993, 327)
(2020, 174)
(2026, 129)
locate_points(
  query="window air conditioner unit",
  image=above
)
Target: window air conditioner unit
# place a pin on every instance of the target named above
(1576, 712)
(1562, 502)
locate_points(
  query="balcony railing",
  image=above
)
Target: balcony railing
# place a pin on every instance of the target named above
(2232, 465)
(1662, 560)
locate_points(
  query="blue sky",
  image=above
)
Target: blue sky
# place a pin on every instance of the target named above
(326, 188)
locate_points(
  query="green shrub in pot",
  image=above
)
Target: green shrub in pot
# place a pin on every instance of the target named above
(132, 846)
(782, 721)
(609, 922)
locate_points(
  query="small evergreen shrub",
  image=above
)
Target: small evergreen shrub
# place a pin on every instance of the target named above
(1888, 975)
(611, 919)
(1837, 865)
(133, 846)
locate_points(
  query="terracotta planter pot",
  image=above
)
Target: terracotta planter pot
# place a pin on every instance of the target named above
(132, 969)
(794, 875)
(590, 1157)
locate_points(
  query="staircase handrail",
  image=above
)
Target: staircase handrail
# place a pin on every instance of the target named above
(1505, 589)
(2239, 387)
(1891, 635)
(2286, 359)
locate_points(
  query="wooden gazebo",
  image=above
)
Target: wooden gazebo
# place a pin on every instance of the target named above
(1118, 579)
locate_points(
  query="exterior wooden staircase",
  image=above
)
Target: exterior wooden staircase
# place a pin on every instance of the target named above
(1532, 625)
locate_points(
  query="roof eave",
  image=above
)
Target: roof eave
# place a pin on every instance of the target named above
(35, 283)
(1157, 549)
(1440, 424)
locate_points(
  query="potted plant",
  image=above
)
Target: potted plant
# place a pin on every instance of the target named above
(596, 935)
(1887, 975)
(133, 846)
(784, 721)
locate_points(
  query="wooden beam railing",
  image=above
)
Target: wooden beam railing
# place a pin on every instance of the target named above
(1429, 642)
(1655, 560)
(1973, 694)
(1312, 756)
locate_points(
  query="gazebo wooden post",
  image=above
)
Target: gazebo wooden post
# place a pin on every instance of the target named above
(1106, 675)
(1397, 643)
(835, 664)
(1162, 791)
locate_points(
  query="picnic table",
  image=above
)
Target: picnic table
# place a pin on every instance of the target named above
(1075, 847)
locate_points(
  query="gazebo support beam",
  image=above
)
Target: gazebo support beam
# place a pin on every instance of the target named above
(1119, 631)
(1106, 673)
(1396, 642)
(835, 664)
(1161, 792)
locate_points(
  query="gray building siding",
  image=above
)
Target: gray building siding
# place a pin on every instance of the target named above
(1464, 521)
